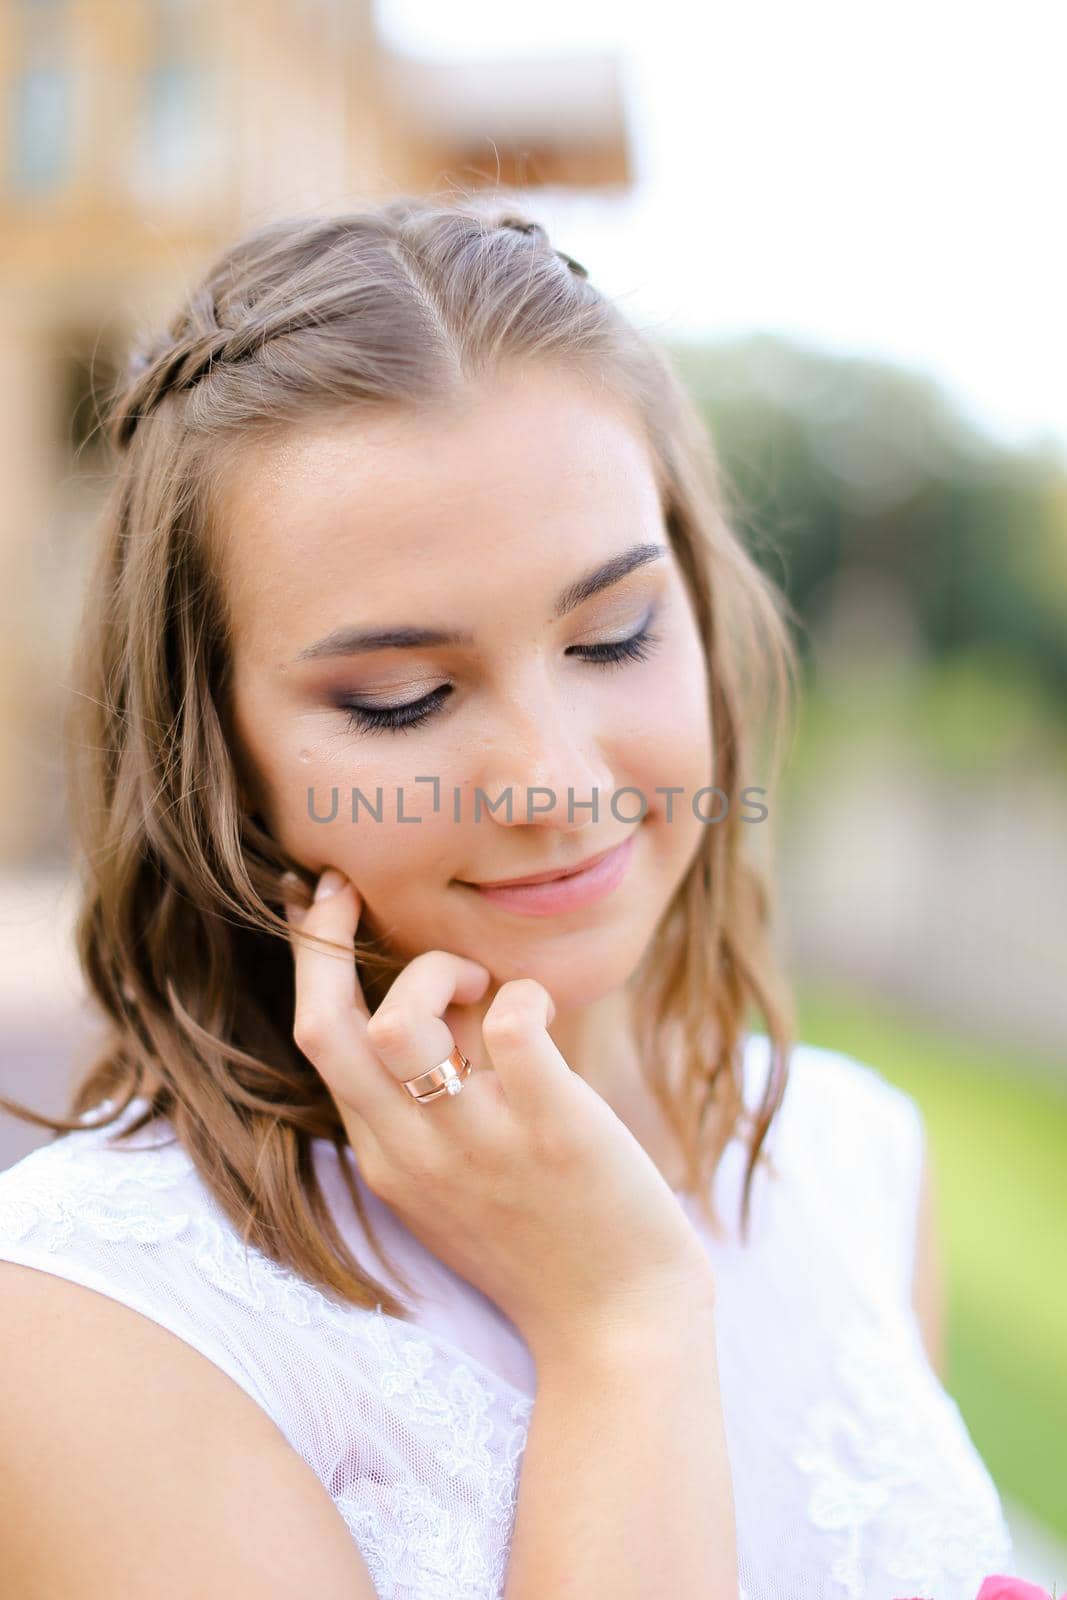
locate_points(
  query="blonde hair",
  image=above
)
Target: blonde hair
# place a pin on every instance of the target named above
(180, 931)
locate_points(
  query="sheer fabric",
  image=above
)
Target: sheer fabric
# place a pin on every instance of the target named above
(854, 1474)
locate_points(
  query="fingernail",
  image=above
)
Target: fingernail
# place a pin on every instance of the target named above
(329, 883)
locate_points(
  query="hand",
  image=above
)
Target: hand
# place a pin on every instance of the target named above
(525, 1183)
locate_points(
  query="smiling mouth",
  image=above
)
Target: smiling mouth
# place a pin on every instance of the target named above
(550, 876)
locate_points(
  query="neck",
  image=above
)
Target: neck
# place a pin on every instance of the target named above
(598, 1042)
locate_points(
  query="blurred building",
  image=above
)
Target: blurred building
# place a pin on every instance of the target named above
(138, 137)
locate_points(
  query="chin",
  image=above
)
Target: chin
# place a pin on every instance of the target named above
(571, 983)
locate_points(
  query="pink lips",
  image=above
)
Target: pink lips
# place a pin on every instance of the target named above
(577, 889)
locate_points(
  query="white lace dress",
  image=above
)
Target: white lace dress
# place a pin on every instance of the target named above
(854, 1475)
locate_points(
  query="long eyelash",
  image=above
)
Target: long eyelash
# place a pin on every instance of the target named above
(396, 718)
(638, 647)
(617, 653)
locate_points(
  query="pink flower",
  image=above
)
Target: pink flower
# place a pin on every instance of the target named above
(999, 1587)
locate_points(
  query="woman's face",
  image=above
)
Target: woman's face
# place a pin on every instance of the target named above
(523, 531)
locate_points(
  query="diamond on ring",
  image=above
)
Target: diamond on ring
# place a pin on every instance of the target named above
(446, 1078)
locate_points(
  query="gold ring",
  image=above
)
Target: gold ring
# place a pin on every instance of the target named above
(446, 1078)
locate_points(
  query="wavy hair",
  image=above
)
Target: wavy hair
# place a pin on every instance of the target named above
(181, 934)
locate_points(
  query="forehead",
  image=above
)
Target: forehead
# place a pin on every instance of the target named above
(526, 471)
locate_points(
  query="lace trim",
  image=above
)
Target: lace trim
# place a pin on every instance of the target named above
(868, 1456)
(92, 1198)
(418, 1540)
(473, 1421)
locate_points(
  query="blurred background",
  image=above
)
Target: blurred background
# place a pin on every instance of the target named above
(842, 220)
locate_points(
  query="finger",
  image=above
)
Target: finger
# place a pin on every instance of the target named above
(329, 880)
(526, 1059)
(330, 1014)
(408, 1030)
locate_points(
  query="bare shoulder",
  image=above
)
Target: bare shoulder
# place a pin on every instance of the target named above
(133, 1465)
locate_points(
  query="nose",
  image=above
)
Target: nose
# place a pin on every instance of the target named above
(550, 765)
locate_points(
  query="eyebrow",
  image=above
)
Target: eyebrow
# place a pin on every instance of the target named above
(354, 641)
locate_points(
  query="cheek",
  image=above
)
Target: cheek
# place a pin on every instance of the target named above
(673, 736)
(332, 809)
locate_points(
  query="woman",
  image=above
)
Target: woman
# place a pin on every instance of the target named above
(416, 582)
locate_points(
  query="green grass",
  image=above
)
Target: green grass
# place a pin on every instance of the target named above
(999, 1145)
(971, 717)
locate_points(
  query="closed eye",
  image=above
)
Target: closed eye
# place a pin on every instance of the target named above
(377, 719)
